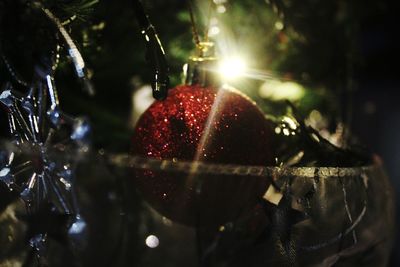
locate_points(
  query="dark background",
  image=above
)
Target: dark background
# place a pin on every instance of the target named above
(379, 86)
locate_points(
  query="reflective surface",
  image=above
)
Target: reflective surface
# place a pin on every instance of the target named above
(308, 217)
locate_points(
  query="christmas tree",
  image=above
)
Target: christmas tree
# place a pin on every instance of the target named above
(286, 184)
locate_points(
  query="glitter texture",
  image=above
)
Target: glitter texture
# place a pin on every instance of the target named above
(209, 125)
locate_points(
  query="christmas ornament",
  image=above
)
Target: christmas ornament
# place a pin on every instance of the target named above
(32, 167)
(155, 54)
(37, 165)
(203, 122)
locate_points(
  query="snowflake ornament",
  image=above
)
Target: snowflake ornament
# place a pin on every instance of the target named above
(39, 163)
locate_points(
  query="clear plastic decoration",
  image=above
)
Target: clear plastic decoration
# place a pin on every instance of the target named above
(38, 163)
(44, 183)
(96, 231)
(309, 216)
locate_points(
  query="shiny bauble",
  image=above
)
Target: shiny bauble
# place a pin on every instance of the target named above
(212, 125)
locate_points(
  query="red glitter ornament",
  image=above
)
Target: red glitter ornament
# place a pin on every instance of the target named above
(209, 125)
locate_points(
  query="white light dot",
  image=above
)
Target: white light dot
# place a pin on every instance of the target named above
(290, 122)
(213, 31)
(279, 25)
(4, 172)
(221, 9)
(286, 132)
(152, 241)
(232, 68)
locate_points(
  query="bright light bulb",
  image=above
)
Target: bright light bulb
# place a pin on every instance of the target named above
(232, 68)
